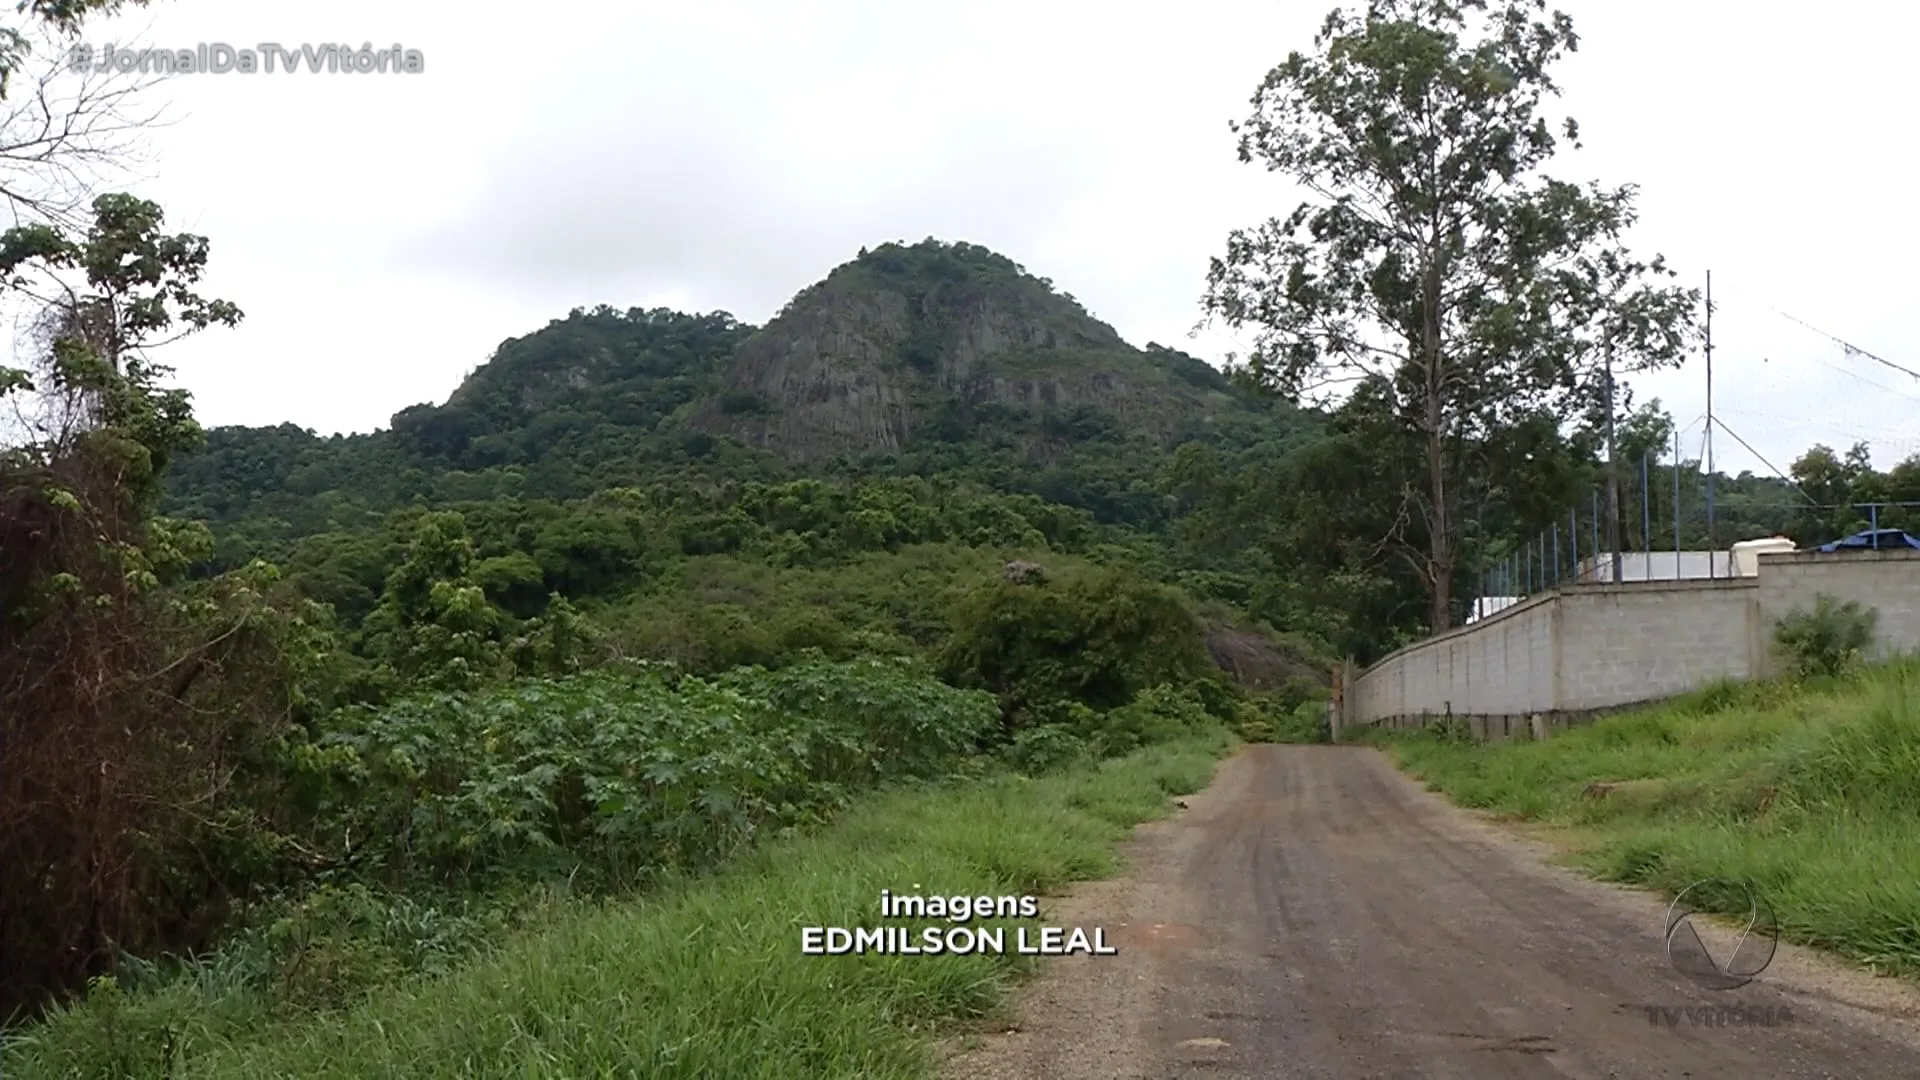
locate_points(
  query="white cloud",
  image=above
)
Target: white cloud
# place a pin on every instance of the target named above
(385, 232)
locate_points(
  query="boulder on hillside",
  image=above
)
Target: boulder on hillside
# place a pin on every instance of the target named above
(1024, 573)
(1257, 662)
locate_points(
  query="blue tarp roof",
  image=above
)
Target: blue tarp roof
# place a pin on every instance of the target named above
(1884, 538)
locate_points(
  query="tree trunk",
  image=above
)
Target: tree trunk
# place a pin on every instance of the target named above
(1440, 540)
(1440, 548)
(1613, 477)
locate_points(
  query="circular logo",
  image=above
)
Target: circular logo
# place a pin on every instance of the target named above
(1750, 953)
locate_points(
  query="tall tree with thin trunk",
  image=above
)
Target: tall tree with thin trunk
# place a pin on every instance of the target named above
(1430, 256)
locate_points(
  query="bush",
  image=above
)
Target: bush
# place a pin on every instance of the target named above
(1829, 639)
(1159, 714)
(1255, 728)
(1305, 722)
(1223, 700)
(624, 774)
(1058, 712)
(900, 720)
(1098, 638)
(1045, 749)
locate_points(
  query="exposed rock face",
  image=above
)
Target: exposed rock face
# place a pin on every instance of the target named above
(1024, 573)
(821, 370)
(1255, 662)
(910, 343)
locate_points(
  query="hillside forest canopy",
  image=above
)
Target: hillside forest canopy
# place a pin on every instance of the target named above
(651, 585)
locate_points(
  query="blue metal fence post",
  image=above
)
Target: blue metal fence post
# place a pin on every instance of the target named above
(1676, 504)
(1646, 514)
(1573, 540)
(1596, 536)
(1873, 522)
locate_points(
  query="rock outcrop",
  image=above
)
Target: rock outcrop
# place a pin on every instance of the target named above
(933, 340)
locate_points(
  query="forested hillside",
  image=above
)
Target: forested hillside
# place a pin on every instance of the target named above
(932, 403)
(648, 584)
(699, 484)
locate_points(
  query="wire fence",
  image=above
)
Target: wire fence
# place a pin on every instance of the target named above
(1674, 522)
(1677, 521)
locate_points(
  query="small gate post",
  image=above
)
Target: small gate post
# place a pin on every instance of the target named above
(1335, 707)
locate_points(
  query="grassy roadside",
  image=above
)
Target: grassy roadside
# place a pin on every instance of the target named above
(705, 979)
(1809, 793)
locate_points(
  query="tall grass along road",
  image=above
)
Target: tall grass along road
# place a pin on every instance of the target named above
(1316, 914)
(1808, 792)
(702, 980)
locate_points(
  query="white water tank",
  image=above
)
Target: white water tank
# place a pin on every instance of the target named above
(1487, 605)
(1746, 553)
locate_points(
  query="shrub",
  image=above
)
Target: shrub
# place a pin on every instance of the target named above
(1097, 638)
(1223, 700)
(1305, 722)
(1255, 728)
(619, 774)
(1045, 748)
(1059, 712)
(902, 721)
(1159, 714)
(1829, 639)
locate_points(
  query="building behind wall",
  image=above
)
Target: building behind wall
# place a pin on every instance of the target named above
(1657, 566)
(1741, 560)
(1487, 605)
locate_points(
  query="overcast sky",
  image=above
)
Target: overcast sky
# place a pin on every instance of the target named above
(384, 233)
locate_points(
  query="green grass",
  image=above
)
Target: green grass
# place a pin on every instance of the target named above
(702, 979)
(1808, 793)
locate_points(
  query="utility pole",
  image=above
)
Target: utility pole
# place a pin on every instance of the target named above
(1613, 467)
(1713, 536)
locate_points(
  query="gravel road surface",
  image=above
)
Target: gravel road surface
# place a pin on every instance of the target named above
(1314, 913)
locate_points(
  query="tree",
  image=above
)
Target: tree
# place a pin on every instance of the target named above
(1431, 258)
(1830, 484)
(106, 299)
(68, 125)
(135, 706)
(435, 623)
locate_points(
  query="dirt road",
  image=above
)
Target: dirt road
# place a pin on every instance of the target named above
(1316, 914)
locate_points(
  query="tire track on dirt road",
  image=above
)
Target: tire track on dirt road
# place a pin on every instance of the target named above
(1316, 914)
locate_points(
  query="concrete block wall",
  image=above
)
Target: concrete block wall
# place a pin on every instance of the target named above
(1588, 649)
(1888, 581)
(1633, 642)
(1490, 668)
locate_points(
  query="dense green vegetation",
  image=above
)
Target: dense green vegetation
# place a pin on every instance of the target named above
(602, 459)
(704, 978)
(373, 711)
